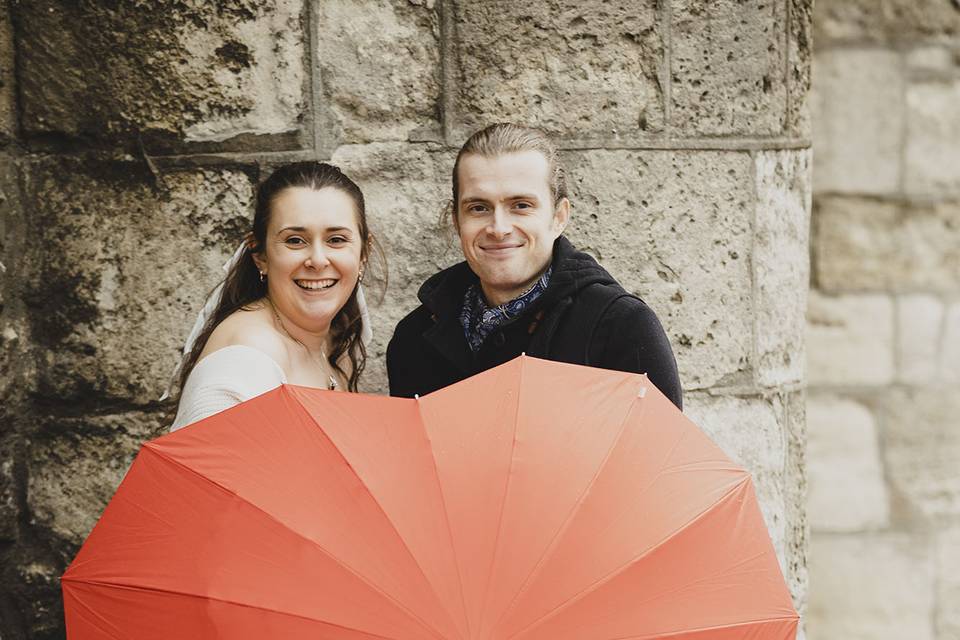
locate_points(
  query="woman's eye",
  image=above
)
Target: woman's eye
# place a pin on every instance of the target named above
(294, 241)
(338, 240)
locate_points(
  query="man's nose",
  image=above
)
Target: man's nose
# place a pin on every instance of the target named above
(500, 224)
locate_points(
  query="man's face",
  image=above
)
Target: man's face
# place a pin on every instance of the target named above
(506, 220)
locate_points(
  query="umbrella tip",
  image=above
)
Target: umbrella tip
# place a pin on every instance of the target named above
(642, 392)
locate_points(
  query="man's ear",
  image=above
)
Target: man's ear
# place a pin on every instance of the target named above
(561, 215)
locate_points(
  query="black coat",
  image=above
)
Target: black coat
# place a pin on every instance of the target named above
(584, 317)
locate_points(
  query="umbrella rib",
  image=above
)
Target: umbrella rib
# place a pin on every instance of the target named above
(446, 517)
(269, 515)
(386, 516)
(573, 511)
(732, 625)
(506, 491)
(613, 574)
(185, 594)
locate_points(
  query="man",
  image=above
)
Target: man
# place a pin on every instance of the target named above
(523, 286)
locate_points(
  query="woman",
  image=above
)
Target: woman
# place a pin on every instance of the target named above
(291, 308)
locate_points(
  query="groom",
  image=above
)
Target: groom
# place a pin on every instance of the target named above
(523, 286)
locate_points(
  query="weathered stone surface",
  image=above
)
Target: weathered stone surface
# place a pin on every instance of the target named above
(194, 71)
(849, 340)
(878, 245)
(948, 583)
(870, 587)
(949, 369)
(9, 508)
(120, 270)
(381, 88)
(857, 105)
(796, 523)
(847, 20)
(781, 264)
(76, 464)
(932, 60)
(885, 20)
(921, 449)
(727, 67)
(799, 53)
(847, 488)
(561, 65)
(406, 189)
(752, 432)
(933, 132)
(919, 323)
(675, 228)
(8, 113)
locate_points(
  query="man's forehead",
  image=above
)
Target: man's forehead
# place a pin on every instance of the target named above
(506, 175)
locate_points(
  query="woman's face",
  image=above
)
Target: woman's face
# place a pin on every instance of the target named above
(312, 255)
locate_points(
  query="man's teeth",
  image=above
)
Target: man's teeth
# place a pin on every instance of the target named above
(315, 284)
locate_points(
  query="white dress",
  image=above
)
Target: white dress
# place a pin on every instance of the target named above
(226, 377)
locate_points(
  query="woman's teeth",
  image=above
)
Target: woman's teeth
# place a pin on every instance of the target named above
(315, 284)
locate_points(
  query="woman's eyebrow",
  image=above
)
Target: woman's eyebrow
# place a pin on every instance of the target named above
(304, 229)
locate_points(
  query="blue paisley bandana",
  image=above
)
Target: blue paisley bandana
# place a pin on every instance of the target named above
(479, 320)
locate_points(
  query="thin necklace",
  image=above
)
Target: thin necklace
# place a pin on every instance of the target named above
(331, 381)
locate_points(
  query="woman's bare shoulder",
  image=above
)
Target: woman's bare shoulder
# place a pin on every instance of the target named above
(252, 327)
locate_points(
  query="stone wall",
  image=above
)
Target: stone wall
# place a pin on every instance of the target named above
(132, 135)
(884, 322)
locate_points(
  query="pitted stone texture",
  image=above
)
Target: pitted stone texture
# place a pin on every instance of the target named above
(800, 51)
(862, 244)
(560, 65)
(849, 340)
(847, 488)
(76, 464)
(919, 328)
(865, 587)
(384, 87)
(9, 508)
(948, 582)
(751, 431)
(194, 71)
(781, 264)
(121, 269)
(8, 112)
(857, 105)
(933, 138)
(727, 67)
(675, 228)
(911, 20)
(921, 449)
(891, 20)
(949, 368)
(406, 188)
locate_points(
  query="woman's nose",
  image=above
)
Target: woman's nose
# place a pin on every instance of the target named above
(317, 257)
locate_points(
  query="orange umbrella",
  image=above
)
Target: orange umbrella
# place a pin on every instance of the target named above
(536, 500)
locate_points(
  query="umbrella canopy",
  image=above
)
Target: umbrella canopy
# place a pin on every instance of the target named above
(536, 500)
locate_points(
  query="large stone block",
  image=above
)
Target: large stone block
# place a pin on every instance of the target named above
(74, 467)
(799, 55)
(864, 244)
(8, 109)
(911, 20)
(847, 20)
(847, 488)
(885, 20)
(383, 88)
(675, 228)
(564, 66)
(849, 340)
(919, 324)
(781, 264)
(857, 105)
(796, 522)
(948, 583)
(921, 449)
(933, 138)
(752, 431)
(870, 587)
(193, 71)
(120, 268)
(727, 67)
(406, 188)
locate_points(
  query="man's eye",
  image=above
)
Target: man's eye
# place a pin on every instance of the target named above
(476, 208)
(523, 205)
